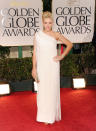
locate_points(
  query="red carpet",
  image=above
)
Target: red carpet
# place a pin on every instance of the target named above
(78, 108)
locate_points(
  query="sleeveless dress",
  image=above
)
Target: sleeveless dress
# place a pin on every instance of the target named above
(48, 72)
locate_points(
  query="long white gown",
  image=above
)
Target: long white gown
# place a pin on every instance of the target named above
(48, 70)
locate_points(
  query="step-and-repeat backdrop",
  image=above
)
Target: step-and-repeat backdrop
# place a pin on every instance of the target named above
(74, 19)
(19, 20)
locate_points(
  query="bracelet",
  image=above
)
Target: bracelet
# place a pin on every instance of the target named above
(62, 56)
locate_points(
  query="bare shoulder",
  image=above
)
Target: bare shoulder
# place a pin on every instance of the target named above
(57, 35)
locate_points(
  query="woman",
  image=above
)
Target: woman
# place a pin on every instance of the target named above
(46, 70)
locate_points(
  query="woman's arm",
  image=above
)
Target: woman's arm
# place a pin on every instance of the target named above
(34, 53)
(65, 41)
(34, 62)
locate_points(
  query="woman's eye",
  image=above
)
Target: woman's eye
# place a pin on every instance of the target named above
(48, 23)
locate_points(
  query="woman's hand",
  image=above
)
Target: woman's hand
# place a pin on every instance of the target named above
(34, 75)
(57, 58)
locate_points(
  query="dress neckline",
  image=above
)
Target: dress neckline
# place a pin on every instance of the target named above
(47, 35)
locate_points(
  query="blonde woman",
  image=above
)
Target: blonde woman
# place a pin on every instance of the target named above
(46, 70)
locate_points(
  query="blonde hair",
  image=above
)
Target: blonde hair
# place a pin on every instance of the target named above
(47, 14)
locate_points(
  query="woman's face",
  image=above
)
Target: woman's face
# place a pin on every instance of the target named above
(47, 24)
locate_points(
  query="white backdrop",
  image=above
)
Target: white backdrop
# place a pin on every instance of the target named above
(19, 20)
(74, 19)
